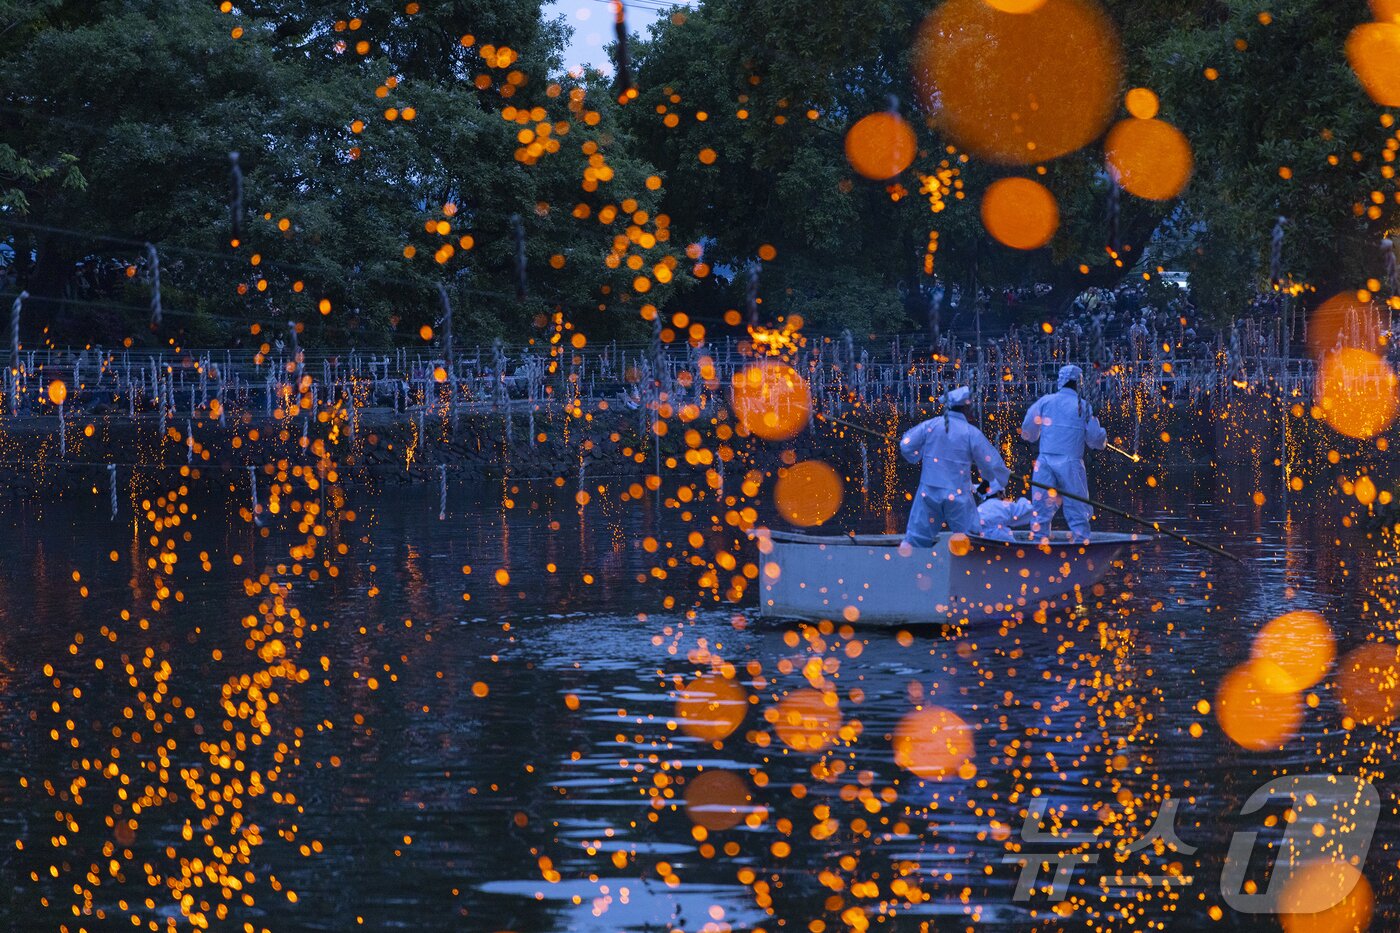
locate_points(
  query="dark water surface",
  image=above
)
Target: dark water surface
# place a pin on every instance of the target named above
(556, 800)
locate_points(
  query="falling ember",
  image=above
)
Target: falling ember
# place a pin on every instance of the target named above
(1326, 896)
(1373, 51)
(718, 800)
(1150, 158)
(771, 400)
(1253, 717)
(1293, 652)
(711, 707)
(934, 743)
(806, 720)
(1019, 87)
(1356, 392)
(880, 145)
(1368, 680)
(808, 493)
(1020, 213)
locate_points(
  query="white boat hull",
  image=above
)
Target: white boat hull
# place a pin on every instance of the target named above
(872, 579)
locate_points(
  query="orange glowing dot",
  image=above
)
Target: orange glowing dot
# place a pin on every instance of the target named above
(880, 145)
(1019, 88)
(1150, 158)
(1356, 390)
(1386, 11)
(707, 156)
(1142, 103)
(767, 252)
(1373, 50)
(959, 544)
(324, 306)
(425, 332)
(933, 743)
(58, 391)
(717, 800)
(808, 493)
(1326, 896)
(1293, 652)
(1020, 213)
(1015, 6)
(1368, 680)
(771, 400)
(480, 689)
(1253, 717)
(807, 720)
(503, 576)
(711, 707)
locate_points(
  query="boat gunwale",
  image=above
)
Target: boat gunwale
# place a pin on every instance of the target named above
(1115, 539)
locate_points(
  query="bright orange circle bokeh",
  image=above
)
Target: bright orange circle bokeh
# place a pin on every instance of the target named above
(1368, 680)
(1150, 158)
(934, 743)
(806, 721)
(1293, 652)
(808, 493)
(1326, 896)
(1020, 87)
(881, 145)
(1356, 390)
(1252, 716)
(711, 707)
(771, 400)
(1373, 51)
(1142, 103)
(1344, 320)
(1020, 213)
(58, 391)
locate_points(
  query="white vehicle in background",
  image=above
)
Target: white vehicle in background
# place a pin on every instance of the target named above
(1181, 280)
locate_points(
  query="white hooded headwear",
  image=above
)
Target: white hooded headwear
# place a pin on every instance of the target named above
(954, 398)
(1070, 373)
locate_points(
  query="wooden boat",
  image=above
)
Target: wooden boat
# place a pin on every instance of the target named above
(872, 579)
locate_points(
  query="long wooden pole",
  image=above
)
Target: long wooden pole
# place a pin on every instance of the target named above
(1146, 523)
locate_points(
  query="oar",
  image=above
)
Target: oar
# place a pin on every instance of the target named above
(846, 424)
(1147, 523)
(1119, 450)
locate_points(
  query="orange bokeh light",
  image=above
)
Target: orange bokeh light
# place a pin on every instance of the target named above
(1368, 680)
(711, 707)
(808, 493)
(1019, 88)
(934, 743)
(771, 400)
(881, 145)
(717, 800)
(1252, 716)
(1326, 896)
(1293, 652)
(58, 391)
(1020, 213)
(1373, 51)
(1356, 390)
(1386, 11)
(806, 720)
(1150, 158)
(1142, 103)
(1344, 321)
(1016, 6)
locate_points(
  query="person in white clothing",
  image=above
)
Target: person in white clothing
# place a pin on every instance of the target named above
(1000, 516)
(949, 447)
(1064, 424)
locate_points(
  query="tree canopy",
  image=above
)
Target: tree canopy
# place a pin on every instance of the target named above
(386, 150)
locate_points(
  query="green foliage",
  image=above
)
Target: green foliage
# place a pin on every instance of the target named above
(148, 98)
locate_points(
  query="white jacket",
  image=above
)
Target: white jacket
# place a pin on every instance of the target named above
(1064, 424)
(949, 447)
